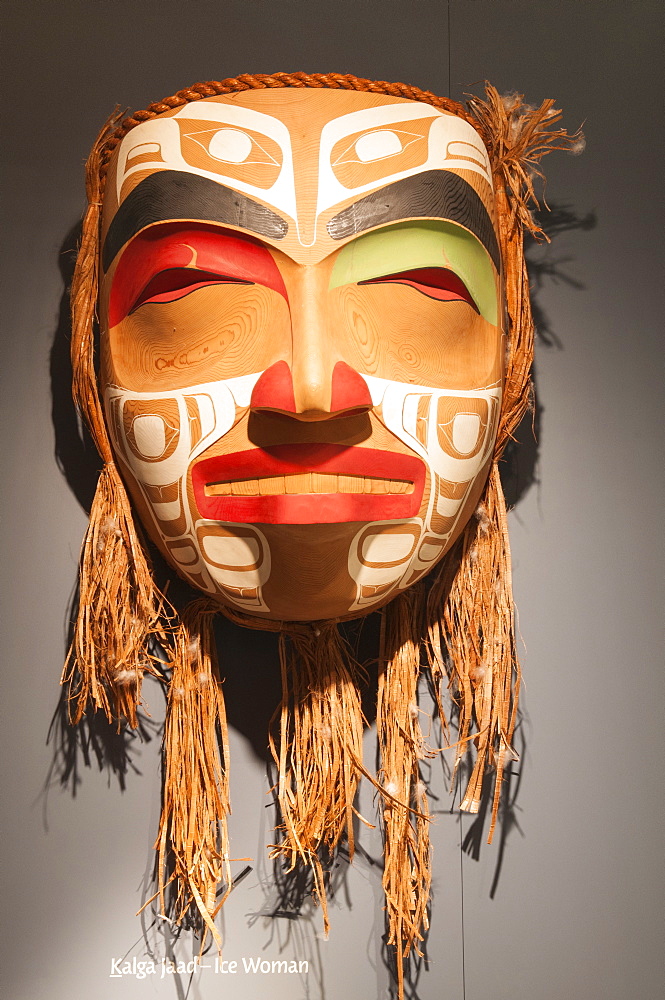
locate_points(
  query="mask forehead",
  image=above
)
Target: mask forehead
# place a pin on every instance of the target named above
(304, 170)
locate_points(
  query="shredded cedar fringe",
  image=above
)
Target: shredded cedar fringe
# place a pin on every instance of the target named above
(407, 872)
(470, 616)
(320, 748)
(83, 298)
(472, 640)
(119, 606)
(318, 753)
(471, 633)
(119, 610)
(472, 644)
(517, 137)
(193, 839)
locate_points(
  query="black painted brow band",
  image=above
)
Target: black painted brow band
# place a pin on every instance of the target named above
(171, 195)
(437, 194)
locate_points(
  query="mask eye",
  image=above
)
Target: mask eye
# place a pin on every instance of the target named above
(176, 282)
(233, 146)
(434, 282)
(165, 263)
(380, 144)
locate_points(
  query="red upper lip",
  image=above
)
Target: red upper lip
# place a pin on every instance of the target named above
(290, 459)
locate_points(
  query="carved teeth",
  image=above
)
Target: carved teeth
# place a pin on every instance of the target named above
(308, 482)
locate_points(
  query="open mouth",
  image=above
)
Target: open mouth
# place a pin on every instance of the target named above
(308, 484)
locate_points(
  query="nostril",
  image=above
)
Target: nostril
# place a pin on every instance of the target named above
(274, 390)
(350, 392)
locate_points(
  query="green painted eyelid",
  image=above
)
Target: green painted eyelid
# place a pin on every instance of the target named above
(406, 247)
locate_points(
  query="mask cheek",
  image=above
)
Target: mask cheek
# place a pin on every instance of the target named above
(156, 436)
(237, 558)
(463, 427)
(378, 557)
(454, 433)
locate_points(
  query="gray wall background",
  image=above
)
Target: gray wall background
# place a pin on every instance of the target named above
(578, 907)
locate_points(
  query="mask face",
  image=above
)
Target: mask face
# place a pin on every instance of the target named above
(302, 342)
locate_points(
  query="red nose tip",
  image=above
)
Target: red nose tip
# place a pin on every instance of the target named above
(274, 391)
(350, 392)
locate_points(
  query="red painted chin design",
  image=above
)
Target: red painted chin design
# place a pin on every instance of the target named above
(309, 508)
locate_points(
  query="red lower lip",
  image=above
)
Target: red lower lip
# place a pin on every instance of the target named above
(310, 508)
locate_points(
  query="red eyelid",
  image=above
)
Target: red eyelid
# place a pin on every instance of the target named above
(169, 254)
(176, 282)
(435, 282)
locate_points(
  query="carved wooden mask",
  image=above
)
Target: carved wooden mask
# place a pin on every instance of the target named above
(302, 345)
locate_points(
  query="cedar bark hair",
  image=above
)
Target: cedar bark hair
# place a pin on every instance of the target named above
(193, 841)
(319, 754)
(471, 617)
(318, 748)
(472, 645)
(118, 611)
(464, 630)
(407, 872)
(119, 605)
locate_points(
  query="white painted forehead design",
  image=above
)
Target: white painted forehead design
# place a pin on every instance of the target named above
(288, 179)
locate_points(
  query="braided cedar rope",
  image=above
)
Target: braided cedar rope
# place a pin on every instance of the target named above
(262, 81)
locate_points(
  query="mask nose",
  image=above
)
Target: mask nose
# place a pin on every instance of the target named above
(315, 385)
(348, 394)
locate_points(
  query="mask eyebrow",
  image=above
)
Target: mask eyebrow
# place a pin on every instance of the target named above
(173, 195)
(432, 194)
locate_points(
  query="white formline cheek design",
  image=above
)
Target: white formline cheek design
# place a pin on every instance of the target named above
(216, 405)
(384, 557)
(382, 554)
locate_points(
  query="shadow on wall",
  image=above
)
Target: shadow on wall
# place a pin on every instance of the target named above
(519, 466)
(249, 660)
